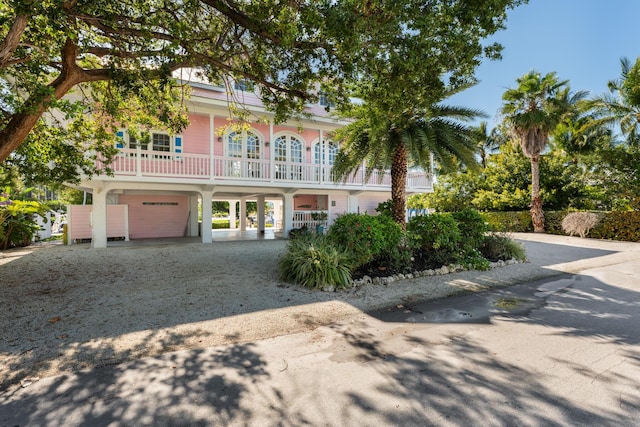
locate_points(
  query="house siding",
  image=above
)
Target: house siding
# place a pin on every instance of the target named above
(156, 215)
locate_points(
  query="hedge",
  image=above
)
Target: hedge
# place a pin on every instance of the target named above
(612, 226)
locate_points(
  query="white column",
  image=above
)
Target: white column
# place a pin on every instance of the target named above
(212, 139)
(272, 151)
(205, 230)
(287, 213)
(277, 214)
(260, 214)
(243, 214)
(192, 226)
(232, 214)
(99, 219)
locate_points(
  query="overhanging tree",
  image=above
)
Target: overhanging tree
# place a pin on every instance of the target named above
(113, 50)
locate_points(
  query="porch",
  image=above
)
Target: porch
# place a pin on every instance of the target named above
(244, 171)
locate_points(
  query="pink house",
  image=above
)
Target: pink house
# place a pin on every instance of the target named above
(165, 188)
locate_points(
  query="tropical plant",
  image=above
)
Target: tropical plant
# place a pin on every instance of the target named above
(373, 143)
(439, 238)
(487, 143)
(532, 111)
(500, 247)
(17, 221)
(621, 106)
(312, 261)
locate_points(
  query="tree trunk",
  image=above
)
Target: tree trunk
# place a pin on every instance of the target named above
(399, 185)
(22, 122)
(537, 214)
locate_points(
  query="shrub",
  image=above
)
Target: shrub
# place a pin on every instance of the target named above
(312, 261)
(618, 226)
(17, 223)
(472, 228)
(361, 236)
(579, 223)
(553, 221)
(438, 236)
(509, 221)
(497, 246)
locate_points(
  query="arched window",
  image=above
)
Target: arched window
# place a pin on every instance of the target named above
(243, 145)
(328, 154)
(288, 149)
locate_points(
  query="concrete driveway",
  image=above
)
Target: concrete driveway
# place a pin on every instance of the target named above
(563, 348)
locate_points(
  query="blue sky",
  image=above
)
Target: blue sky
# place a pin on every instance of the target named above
(581, 40)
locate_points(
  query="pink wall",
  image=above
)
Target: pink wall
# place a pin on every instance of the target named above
(301, 201)
(156, 215)
(341, 206)
(196, 135)
(369, 203)
(80, 221)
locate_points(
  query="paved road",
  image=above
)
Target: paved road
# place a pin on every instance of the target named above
(565, 351)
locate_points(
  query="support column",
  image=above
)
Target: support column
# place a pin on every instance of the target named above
(232, 214)
(277, 215)
(205, 229)
(287, 213)
(243, 214)
(192, 226)
(260, 214)
(99, 219)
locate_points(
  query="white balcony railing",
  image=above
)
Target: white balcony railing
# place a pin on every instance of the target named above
(147, 163)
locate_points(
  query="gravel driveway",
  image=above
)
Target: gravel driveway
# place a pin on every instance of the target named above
(66, 308)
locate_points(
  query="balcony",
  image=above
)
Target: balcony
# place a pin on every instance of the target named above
(246, 172)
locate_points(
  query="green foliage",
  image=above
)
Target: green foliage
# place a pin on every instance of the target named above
(362, 236)
(472, 228)
(312, 261)
(475, 260)
(17, 222)
(384, 208)
(219, 224)
(438, 236)
(498, 246)
(618, 226)
(509, 221)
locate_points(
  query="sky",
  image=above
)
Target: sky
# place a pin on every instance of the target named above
(581, 40)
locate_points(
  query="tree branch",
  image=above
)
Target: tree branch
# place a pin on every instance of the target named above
(12, 40)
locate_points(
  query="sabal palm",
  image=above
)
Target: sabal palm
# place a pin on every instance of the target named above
(379, 144)
(533, 110)
(622, 105)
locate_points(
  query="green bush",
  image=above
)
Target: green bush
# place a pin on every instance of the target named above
(17, 222)
(439, 237)
(497, 246)
(217, 224)
(553, 222)
(360, 235)
(518, 221)
(312, 261)
(618, 226)
(472, 228)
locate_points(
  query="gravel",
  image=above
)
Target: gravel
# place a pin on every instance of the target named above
(66, 308)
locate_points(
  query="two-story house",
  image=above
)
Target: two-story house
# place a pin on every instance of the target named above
(166, 188)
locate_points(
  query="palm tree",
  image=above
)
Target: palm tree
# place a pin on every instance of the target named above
(487, 142)
(379, 144)
(532, 111)
(622, 105)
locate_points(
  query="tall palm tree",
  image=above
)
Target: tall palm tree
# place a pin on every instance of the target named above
(377, 143)
(532, 111)
(621, 106)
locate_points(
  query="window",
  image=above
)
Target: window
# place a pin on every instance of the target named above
(153, 141)
(245, 145)
(244, 85)
(328, 155)
(324, 100)
(289, 149)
